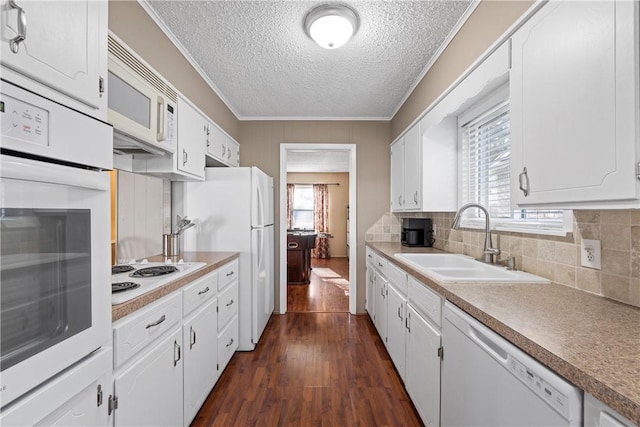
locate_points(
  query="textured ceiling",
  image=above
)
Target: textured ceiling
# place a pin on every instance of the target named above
(260, 61)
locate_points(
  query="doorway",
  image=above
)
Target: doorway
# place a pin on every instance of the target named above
(332, 277)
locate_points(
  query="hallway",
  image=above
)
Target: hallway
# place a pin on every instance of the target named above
(326, 292)
(328, 369)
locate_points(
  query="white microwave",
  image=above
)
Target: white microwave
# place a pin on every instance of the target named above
(142, 105)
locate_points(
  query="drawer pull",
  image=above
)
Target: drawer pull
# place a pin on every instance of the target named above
(230, 303)
(230, 343)
(192, 341)
(231, 273)
(204, 291)
(176, 346)
(157, 322)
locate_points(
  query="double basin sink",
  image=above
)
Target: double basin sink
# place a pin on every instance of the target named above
(462, 268)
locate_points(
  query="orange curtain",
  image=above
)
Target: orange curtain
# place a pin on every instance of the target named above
(321, 219)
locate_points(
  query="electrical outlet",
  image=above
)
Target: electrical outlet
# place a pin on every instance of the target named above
(591, 254)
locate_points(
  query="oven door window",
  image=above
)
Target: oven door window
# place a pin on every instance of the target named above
(45, 262)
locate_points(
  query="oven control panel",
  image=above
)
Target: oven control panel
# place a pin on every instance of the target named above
(23, 121)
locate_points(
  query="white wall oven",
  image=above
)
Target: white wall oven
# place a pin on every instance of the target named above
(54, 240)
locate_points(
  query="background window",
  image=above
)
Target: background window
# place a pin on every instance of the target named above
(303, 207)
(486, 178)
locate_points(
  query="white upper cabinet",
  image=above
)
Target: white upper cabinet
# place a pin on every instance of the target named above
(191, 139)
(188, 161)
(574, 106)
(397, 175)
(424, 167)
(63, 54)
(222, 150)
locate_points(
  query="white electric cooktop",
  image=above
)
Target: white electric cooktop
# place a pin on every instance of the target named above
(136, 278)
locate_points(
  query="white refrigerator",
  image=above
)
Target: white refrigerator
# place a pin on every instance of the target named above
(233, 211)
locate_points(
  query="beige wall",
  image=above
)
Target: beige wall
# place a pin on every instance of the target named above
(260, 146)
(485, 25)
(338, 202)
(129, 21)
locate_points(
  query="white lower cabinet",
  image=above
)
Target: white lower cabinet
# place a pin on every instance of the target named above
(200, 338)
(408, 317)
(380, 317)
(396, 336)
(169, 355)
(423, 367)
(149, 391)
(370, 289)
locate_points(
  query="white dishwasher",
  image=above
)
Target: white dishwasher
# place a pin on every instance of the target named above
(487, 381)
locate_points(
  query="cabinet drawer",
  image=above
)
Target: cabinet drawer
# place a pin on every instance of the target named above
(398, 277)
(227, 343)
(227, 305)
(138, 330)
(200, 291)
(381, 264)
(425, 301)
(227, 274)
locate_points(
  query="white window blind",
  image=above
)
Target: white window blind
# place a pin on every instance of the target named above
(486, 177)
(303, 207)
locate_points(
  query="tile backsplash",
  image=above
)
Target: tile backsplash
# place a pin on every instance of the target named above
(552, 257)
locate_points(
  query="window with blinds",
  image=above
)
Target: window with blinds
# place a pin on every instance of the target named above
(485, 151)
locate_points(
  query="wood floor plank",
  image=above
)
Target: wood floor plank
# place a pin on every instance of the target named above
(321, 295)
(311, 369)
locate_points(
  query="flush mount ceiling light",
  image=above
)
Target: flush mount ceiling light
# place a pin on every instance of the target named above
(331, 25)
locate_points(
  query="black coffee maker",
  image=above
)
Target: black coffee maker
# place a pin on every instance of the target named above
(417, 232)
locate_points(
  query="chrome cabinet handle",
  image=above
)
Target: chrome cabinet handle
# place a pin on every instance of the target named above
(230, 273)
(415, 197)
(14, 43)
(399, 313)
(176, 346)
(224, 150)
(185, 157)
(230, 303)
(229, 343)
(228, 154)
(157, 322)
(204, 291)
(523, 174)
(192, 341)
(400, 200)
(406, 322)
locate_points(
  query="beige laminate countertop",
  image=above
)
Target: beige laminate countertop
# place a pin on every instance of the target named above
(213, 259)
(591, 341)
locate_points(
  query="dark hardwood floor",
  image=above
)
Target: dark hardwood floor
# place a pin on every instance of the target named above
(311, 369)
(324, 294)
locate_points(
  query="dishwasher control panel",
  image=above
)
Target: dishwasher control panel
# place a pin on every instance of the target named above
(536, 383)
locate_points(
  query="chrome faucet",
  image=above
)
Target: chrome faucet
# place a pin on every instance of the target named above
(489, 250)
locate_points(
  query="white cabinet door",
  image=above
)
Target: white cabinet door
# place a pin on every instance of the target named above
(64, 46)
(369, 292)
(217, 143)
(191, 139)
(423, 367)
(381, 306)
(396, 331)
(412, 169)
(200, 338)
(149, 392)
(233, 153)
(397, 175)
(574, 98)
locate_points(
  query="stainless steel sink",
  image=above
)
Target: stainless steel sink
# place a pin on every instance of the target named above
(462, 268)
